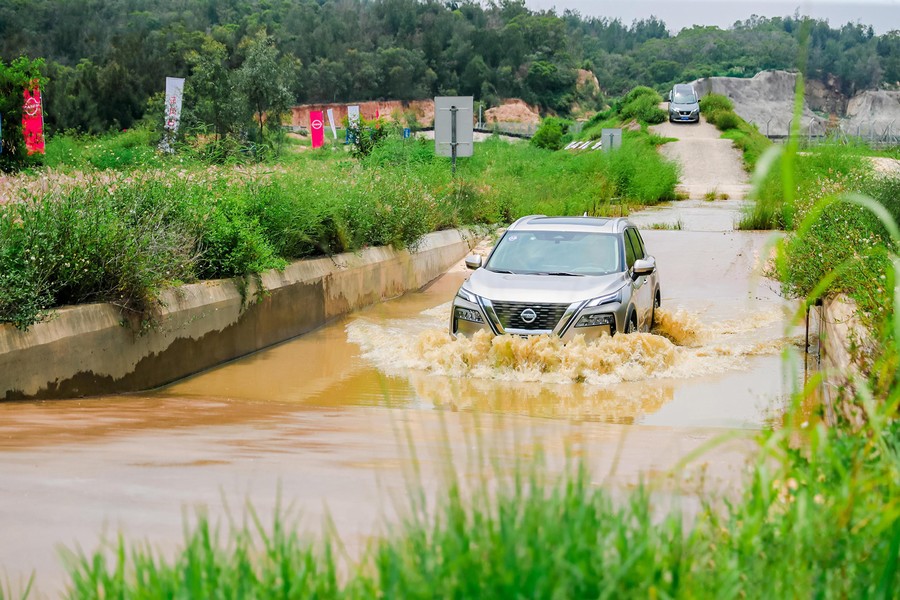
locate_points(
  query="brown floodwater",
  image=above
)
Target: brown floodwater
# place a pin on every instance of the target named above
(334, 423)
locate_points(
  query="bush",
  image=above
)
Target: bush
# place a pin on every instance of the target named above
(550, 134)
(121, 237)
(91, 245)
(724, 120)
(642, 105)
(714, 102)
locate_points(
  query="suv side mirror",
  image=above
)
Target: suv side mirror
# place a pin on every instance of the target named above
(643, 266)
(669, 97)
(473, 261)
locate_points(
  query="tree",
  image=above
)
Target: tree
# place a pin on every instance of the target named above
(211, 85)
(263, 82)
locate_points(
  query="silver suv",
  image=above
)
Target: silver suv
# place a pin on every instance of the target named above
(684, 104)
(562, 276)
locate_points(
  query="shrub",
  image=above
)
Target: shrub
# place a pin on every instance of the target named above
(642, 105)
(550, 133)
(714, 102)
(724, 120)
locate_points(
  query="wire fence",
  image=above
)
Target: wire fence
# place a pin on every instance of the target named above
(876, 133)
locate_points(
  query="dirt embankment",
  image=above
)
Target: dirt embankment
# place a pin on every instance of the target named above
(512, 110)
(391, 110)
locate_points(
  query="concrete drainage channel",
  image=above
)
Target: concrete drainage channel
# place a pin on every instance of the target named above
(88, 350)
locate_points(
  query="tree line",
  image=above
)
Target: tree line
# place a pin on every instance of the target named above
(105, 61)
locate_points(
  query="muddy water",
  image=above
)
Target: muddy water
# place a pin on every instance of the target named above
(330, 422)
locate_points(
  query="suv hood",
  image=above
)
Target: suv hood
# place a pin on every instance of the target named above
(680, 106)
(542, 289)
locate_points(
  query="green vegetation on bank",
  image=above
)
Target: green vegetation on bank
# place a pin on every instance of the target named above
(147, 220)
(837, 211)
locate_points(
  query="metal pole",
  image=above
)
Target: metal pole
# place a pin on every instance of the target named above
(453, 111)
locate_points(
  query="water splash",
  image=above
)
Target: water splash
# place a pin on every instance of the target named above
(681, 346)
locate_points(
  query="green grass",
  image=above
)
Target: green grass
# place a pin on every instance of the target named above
(122, 235)
(821, 521)
(676, 226)
(814, 174)
(133, 149)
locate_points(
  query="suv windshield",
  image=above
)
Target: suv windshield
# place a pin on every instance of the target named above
(556, 253)
(684, 98)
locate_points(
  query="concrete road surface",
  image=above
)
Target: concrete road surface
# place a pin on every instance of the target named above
(708, 162)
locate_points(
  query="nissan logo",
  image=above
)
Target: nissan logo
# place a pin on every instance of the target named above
(317, 124)
(528, 315)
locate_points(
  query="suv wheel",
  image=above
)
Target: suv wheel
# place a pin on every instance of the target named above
(631, 326)
(653, 312)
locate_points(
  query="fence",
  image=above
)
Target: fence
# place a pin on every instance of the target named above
(878, 133)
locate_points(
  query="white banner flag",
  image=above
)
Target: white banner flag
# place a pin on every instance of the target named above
(174, 91)
(353, 115)
(331, 122)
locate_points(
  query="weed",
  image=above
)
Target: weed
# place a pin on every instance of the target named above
(678, 225)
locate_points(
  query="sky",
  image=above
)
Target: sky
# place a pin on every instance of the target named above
(882, 15)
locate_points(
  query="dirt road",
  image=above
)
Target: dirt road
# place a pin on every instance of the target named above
(708, 162)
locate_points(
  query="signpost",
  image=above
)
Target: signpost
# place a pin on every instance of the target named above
(453, 130)
(611, 138)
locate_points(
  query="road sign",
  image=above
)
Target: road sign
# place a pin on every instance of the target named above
(611, 138)
(453, 129)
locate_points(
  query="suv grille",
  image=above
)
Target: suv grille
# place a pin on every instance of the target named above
(510, 315)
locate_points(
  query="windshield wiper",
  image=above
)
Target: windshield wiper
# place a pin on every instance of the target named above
(562, 274)
(505, 272)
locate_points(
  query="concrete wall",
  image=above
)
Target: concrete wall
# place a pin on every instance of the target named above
(88, 350)
(840, 333)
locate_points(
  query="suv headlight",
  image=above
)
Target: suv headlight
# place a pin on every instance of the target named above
(607, 299)
(467, 295)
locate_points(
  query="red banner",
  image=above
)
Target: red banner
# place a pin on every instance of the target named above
(317, 128)
(33, 121)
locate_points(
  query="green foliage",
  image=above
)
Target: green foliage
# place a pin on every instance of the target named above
(814, 174)
(263, 82)
(106, 60)
(89, 245)
(132, 149)
(724, 120)
(131, 232)
(749, 141)
(365, 136)
(711, 103)
(551, 134)
(642, 105)
(287, 566)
